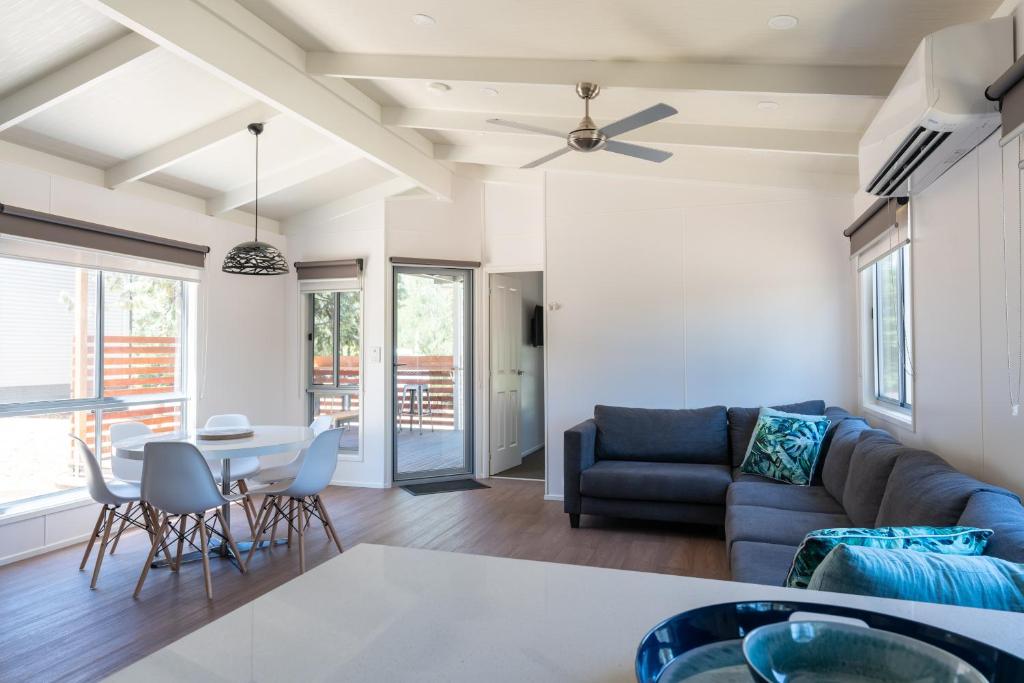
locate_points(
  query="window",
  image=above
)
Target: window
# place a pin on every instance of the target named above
(334, 374)
(887, 290)
(56, 379)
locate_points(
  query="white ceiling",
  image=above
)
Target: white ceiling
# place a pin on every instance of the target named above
(159, 101)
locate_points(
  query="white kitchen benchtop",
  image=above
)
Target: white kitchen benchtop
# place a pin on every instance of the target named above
(378, 613)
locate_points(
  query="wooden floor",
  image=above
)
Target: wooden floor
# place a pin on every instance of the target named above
(532, 467)
(52, 627)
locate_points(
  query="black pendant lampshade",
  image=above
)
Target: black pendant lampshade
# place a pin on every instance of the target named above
(255, 257)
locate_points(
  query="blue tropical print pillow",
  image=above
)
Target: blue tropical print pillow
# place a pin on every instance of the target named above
(954, 540)
(785, 446)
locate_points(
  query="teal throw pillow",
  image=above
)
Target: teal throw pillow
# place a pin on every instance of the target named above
(955, 540)
(968, 581)
(785, 446)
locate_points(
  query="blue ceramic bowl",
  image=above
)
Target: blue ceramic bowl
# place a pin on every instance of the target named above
(825, 651)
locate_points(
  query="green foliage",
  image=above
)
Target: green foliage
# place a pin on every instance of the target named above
(348, 323)
(149, 306)
(426, 307)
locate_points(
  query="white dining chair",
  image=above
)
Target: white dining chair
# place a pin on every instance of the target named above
(177, 483)
(316, 469)
(271, 475)
(112, 495)
(241, 468)
(127, 470)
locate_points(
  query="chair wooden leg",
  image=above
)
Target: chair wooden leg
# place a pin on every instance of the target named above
(302, 535)
(176, 565)
(203, 547)
(157, 540)
(231, 540)
(243, 488)
(276, 518)
(103, 547)
(328, 524)
(262, 518)
(153, 520)
(291, 518)
(120, 529)
(92, 539)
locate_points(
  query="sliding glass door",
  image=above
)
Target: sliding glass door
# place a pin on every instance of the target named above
(432, 379)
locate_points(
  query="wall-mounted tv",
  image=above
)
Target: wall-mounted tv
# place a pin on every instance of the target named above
(537, 326)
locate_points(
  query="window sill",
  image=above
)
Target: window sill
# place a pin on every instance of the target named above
(900, 418)
(46, 505)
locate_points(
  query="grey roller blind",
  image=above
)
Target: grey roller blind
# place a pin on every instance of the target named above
(1009, 92)
(884, 214)
(442, 263)
(329, 270)
(71, 232)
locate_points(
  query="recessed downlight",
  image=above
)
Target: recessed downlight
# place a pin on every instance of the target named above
(490, 92)
(423, 20)
(438, 87)
(783, 22)
(767, 105)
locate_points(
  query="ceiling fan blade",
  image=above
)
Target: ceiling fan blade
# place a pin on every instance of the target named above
(526, 127)
(641, 118)
(638, 151)
(547, 158)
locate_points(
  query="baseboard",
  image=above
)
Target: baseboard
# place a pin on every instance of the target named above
(24, 555)
(554, 496)
(359, 484)
(531, 451)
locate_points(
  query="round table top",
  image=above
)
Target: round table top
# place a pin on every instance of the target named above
(266, 440)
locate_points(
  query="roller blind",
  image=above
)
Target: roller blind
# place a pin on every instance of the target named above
(441, 263)
(329, 270)
(878, 233)
(70, 232)
(1009, 92)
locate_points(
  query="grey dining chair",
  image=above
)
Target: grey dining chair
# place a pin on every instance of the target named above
(177, 483)
(112, 495)
(317, 466)
(272, 475)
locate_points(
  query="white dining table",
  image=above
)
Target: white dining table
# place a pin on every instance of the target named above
(266, 440)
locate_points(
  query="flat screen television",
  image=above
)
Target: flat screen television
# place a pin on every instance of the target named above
(537, 326)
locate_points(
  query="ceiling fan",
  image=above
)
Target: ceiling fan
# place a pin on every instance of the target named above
(587, 137)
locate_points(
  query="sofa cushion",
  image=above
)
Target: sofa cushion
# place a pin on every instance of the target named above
(870, 466)
(742, 421)
(985, 582)
(925, 489)
(785, 446)
(700, 435)
(800, 499)
(845, 435)
(1005, 516)
(925, 539)
(740, 475)
(772, 525)
(661, 481)
(764, 563)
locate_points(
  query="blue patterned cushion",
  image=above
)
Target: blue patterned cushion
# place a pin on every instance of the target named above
(785, 446)
(981, 581)
(955, 540)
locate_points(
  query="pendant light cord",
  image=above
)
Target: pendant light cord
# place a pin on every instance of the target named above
(256, 221)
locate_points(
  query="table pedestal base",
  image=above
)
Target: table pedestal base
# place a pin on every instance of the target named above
(217, 549)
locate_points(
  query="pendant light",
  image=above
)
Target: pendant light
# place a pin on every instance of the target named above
(255, 258)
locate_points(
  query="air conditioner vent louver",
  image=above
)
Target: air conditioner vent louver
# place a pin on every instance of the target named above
(918, 146)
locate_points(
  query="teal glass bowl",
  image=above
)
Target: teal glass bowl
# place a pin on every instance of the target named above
(827, 652)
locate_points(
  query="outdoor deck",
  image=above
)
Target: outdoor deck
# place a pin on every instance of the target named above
(440, 449)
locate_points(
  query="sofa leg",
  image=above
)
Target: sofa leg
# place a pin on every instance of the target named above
(574, 520)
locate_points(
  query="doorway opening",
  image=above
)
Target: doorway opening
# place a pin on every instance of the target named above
(432, 431)
(516, 375)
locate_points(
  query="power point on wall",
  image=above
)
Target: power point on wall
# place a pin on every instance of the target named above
(375, 354)
(1015, 409)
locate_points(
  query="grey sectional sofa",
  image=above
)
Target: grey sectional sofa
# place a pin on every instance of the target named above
(683, 466)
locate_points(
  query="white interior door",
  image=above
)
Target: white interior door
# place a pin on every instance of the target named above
(506, 336)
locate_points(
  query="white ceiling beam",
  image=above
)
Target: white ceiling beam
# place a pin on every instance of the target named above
(677, 168)
(76, 77)
(664, 133)
(294, 174)
(159, 158)
(203, 36)
(862, 81)
(321, 215)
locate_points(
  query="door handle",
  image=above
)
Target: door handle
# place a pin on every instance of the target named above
(520, 373)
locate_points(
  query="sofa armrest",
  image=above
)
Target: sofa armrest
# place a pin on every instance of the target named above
(580, 443)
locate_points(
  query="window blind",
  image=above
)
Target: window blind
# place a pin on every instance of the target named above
(1009, 92)
(882, 229)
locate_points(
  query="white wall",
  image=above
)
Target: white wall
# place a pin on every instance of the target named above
(242, 333)
(672, 294)
(531, 362)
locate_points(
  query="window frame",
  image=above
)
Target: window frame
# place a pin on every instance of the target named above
(903, 400)
(100, 403)
(312, 390)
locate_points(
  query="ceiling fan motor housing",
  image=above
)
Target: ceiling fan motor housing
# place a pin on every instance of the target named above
(587, 137)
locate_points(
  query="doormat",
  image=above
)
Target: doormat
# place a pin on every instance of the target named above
(444, 487)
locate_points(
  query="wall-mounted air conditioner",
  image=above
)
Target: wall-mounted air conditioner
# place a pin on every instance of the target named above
(937, 112)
